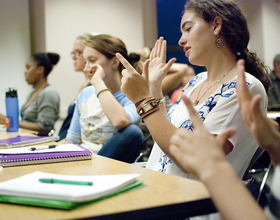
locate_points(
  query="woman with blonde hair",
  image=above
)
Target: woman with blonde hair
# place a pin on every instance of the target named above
(79, 65)
(104, 118)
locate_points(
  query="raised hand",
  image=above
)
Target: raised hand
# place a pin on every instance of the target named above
(259, 125)
(198, 152)
(134, 85)
(158, 68)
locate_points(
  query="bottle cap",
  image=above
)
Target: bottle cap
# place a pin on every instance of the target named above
(11, 92)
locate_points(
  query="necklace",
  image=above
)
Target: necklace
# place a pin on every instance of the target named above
(196, 101)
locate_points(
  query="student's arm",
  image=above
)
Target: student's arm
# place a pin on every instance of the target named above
(175, 76)
(137, 87)
(32, 126)
(201, 154)
(111, 107)
(27, 125)
(264, 131)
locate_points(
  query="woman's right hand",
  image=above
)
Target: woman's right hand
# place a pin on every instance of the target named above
(98, 74)
(134, 85)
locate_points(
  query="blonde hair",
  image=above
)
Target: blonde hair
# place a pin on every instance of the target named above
(85, 36)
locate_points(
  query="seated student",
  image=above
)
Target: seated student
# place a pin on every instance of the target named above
(213, 93)
(41, 109)
(201, 154)
(104, 118)
(214, 39)
(79, 65)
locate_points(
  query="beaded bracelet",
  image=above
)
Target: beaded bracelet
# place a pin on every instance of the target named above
(103, 90)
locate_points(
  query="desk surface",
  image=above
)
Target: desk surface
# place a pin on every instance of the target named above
(164, 196)
(21, 131)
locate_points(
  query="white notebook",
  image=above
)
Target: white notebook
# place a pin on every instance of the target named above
(30, 186)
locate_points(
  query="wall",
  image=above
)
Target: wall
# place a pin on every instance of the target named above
(271, 30)
(15, 48)
(56, 23)
(66, 19)
(263, 19)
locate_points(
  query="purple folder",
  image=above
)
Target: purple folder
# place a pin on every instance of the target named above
(26, 140)
(7, 160)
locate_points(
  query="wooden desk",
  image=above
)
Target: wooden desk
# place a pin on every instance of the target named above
(163, 197)
(21, 131)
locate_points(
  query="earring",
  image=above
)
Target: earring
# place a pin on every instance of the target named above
(219, 41)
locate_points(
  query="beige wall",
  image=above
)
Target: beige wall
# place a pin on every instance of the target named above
(66, 19)
(14, 48)
(56, 23)
(271, 30)
(263, 19)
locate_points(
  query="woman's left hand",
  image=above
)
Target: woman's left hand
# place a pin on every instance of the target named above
(134, 85)
(158, 68)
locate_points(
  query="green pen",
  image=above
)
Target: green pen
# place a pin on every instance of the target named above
(49, 180)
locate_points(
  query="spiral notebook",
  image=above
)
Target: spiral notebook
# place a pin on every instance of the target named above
(21, 141)
(43, 154)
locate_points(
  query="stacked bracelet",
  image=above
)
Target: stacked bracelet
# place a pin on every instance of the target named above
(103, 90)
(147, 107)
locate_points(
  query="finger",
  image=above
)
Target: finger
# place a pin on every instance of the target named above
(93, 69)
(124, 73)
(225, 135)
(155, 49)
(175, 138)
(145, 72)
(196, 120)
(152, 54)
(243, 93)
(163, 51)
(125, 63)
(159, 46)
(167, 67)
(255, 106)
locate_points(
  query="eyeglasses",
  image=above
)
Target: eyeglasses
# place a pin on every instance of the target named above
(76, 53)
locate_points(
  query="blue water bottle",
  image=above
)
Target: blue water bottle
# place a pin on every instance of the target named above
(12, 111)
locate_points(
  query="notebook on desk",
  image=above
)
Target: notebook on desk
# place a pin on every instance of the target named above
(30, 190)
(21, 141)
(43, 154)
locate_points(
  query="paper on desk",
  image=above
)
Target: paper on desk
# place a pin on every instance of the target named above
(273, 115)
(58, 148)
(2, 128)
(29, 186)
